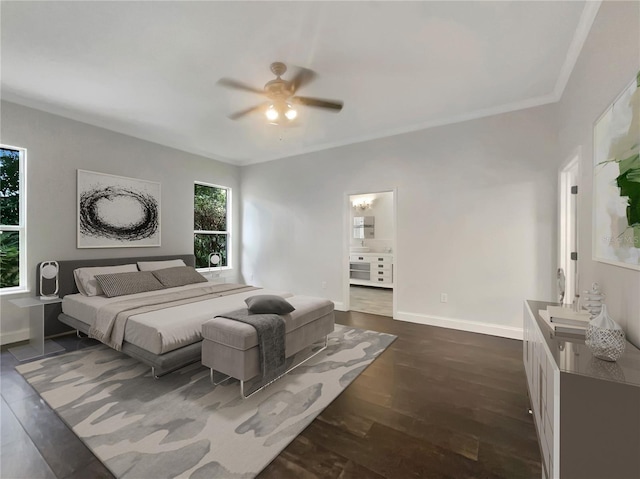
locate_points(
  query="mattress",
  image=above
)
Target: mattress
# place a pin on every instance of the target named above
(167, 329)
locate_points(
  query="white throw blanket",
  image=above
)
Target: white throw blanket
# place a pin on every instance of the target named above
(112, 318)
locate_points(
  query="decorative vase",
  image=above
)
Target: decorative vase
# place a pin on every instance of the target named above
(592, 300)
(605, 337)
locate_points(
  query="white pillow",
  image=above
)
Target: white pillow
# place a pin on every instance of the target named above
(86, 277)
(155, 265)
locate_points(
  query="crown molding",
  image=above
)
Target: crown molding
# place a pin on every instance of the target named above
(585, 23)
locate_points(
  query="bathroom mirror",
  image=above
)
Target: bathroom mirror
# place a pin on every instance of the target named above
(364, 227)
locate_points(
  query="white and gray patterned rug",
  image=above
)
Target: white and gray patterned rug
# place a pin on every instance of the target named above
(183, 426)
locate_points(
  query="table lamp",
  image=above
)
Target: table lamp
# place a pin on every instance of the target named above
(49, 280)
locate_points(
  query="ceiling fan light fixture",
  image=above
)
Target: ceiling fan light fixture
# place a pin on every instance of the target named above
(291, 114)
(281, 93)
(272, 113)
(277, 112)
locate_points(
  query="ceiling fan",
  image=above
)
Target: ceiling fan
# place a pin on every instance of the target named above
(281, 95)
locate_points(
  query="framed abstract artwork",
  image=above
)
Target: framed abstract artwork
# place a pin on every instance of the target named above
(616, 181)
(117, 212)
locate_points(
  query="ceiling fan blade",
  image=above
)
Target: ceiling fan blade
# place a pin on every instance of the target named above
(236, 85)
(302, 78)
(334, 105)
(239, 114)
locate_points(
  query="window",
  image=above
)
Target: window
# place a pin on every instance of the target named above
(211, 223)
(13, 275)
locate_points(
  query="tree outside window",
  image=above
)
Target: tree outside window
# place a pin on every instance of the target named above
(211, 223)
(11, 221)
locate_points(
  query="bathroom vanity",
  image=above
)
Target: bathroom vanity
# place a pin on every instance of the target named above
(371, 269)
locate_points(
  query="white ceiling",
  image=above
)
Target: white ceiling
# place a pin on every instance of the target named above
(149, 69)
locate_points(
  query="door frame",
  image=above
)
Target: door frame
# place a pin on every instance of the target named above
(568, 217)
(346, 243)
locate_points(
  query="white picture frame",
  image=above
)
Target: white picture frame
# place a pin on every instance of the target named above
(116, 211)
(616, 138)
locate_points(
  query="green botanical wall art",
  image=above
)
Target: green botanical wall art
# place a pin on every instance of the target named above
(616, 181)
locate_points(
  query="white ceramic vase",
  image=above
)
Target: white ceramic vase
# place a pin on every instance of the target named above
(605, 337)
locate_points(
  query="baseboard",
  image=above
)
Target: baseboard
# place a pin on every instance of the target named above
(338, 306)
(14, 336)
(511, 332)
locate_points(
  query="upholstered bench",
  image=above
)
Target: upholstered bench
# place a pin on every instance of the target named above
(231, 347)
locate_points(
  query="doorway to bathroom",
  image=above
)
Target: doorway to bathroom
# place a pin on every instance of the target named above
(370, 276)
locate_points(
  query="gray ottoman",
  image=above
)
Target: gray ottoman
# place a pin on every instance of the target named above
(231, 347)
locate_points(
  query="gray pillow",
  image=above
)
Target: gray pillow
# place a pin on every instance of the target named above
(120, 284)
(153, 265)
(178, 276)
(268, 304)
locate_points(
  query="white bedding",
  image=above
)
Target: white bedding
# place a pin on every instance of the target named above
(159, 331)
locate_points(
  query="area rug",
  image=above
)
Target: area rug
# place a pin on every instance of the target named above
(181, 425)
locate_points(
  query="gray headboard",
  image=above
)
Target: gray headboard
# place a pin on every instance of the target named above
(67, 283)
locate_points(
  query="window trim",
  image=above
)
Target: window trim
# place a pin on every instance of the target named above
(228, 232)
(21, 227)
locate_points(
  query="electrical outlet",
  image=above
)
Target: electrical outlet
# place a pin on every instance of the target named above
(444, 298)
(324, 285)
(251, 277)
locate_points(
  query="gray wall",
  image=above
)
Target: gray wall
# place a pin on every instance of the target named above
(476, 218)
(56, 148)
(609, 61)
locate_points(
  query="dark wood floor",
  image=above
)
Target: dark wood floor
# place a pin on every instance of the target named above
(438, 403)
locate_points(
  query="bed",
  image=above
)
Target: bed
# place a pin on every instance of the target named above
(154, 338)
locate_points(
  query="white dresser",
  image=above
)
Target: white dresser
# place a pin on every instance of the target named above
(371, 269)
(586, 411)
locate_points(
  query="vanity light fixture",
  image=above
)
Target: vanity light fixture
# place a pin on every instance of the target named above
(362, 204)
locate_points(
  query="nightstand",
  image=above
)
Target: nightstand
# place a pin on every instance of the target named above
(37, 346)
(214, 277)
